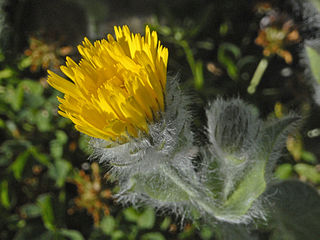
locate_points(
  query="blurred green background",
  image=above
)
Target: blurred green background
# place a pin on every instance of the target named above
(49, 189)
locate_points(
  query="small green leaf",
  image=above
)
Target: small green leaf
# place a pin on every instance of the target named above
(108, 225)
(56, 145)
(308, 171)
(152, 236)
(118, 234)
(40, 157)
(30, 210)
(165, 223)
(18, 165)
(316, 3)
(248, 190)
(284, 171)
(308, 157)
(6, 73)
(71, 234)
(198, 78)
(228, 60)
(131, 214)
(206, 233)
(4, 194)
(34, 232)
(42, 119)
(146, 219)
(14, 97)
(24, 63)
(314, 60)
(44, 202)
(59, 171)
(294, 211)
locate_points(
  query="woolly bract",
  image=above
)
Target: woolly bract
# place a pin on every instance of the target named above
(117, 88)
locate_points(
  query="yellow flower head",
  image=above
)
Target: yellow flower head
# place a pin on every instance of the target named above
(117, 88)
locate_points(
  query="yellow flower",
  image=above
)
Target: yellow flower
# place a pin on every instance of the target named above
(117, 88)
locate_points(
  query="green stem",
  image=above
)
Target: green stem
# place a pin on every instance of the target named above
(262, 66)
(196, 66)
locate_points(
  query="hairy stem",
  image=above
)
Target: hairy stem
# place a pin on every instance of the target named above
(194, 195)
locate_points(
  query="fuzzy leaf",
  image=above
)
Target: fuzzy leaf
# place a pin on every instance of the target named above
(316, 3)
(294, 211)
(314, 60)
(274, 139)
(159, 187)
(248, 190)
(246, 151)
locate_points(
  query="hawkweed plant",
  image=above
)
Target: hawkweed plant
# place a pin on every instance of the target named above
(140, 125)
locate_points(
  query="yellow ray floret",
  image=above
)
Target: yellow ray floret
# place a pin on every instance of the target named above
(117, 88)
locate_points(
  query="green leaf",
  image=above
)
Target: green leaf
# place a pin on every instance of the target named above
(30, 210)
(146, 219)
(18, 165)
(206, 233)
(308, 157)
(56, 145)
(314, 60)
(4, 194)
(316, 3)
(198, 77)
(33, 92)
(118, 234)
(108, 225)
(40, 157)
(24, 63)
(275, 134)
(248, 190)
(14, 97)
(228, 231)
(48, 218)
(6, 73)
(71, 234)
(284, 171)
(166, 190)
(131, 214)
(42, 119)
(308, 171)
(165, 223)
(228, 61)
(34, 232)
(152, 236)
(59, 171)
(294, 211)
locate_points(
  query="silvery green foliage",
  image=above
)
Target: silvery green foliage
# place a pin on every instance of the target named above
(311, 57)
(240, 157)
(310, 13)
(235, 165)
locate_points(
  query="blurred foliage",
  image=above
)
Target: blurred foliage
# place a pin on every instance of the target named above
(48, 189)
